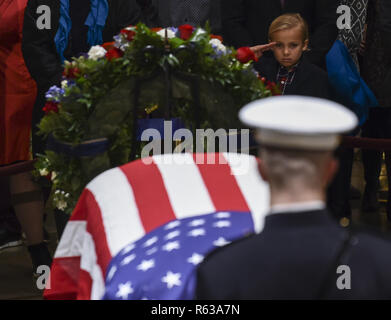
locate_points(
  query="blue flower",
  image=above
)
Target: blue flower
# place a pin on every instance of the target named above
(175, 31)
(54, 94)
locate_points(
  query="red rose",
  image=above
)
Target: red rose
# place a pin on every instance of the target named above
(129, 34)
(114, 53)
(263, 79)
(50, 106)
(108, 45)
(273, 87)
(71, 73)
(245, 54)
(213, 36)
(186, 31)
(156, 29)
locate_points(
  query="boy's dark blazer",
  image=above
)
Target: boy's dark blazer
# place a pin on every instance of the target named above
(309, 79)
(246, 22)
(39, 51)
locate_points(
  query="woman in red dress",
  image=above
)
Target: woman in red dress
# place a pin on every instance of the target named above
(17, 96)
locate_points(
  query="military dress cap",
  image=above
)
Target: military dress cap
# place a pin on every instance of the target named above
(297, 122)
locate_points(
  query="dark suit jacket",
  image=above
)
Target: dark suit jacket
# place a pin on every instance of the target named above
(246, 22)
(38, 46)
(292, 258)
(385, 22)
(309, 80)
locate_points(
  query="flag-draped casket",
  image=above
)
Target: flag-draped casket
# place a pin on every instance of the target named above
(124, 204)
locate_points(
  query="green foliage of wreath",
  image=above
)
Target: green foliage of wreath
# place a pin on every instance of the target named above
(96, 100)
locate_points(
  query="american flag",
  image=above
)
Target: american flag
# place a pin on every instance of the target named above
(124, 204)
(162, 265)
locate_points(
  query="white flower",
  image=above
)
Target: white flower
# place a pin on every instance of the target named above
(72, 64)
(96, 52)
(54, 175)
(218, 46)
(170, 33)
(64, 84)
(61, 205)
(44, 172)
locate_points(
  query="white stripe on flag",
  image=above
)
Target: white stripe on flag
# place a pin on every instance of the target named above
(89, 264)
(71, 243)
(120, 214)
(254, 189)
(184, 184)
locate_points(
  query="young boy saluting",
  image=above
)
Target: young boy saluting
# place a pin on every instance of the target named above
(289, 40)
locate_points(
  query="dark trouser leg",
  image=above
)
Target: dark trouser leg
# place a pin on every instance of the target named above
(387, 135)
(372, 160)
(38, 143)
(338, 192)
(388, 166)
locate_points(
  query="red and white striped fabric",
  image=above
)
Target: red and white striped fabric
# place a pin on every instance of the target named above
(123, 204)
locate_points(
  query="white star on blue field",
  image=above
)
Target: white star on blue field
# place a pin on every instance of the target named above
(162, 265)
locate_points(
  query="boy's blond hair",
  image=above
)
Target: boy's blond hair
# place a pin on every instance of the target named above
(289, 21)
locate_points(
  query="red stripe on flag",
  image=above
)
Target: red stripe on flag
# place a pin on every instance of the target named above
(97, 230)
(85, 285)
(150, 194)
(221, 184)
(64, 277)
(80, 211)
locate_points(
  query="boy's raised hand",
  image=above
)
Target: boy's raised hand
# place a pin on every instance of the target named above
(260, 49)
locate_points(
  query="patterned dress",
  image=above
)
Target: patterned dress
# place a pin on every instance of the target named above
(354, 36)
(376, 62)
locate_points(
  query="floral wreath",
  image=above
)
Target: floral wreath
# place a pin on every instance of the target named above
(92, 106)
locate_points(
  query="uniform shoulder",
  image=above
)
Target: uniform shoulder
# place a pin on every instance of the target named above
(217, 274)
(371, 236)
(371, 245)
(230, 253)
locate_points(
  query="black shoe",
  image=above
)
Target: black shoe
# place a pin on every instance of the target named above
(40, 256)
(9, 239)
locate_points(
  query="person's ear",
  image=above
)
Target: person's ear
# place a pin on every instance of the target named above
(262, 170)
(306, 43)
(331, 170)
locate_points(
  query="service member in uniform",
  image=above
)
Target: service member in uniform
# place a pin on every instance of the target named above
(302, 253)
